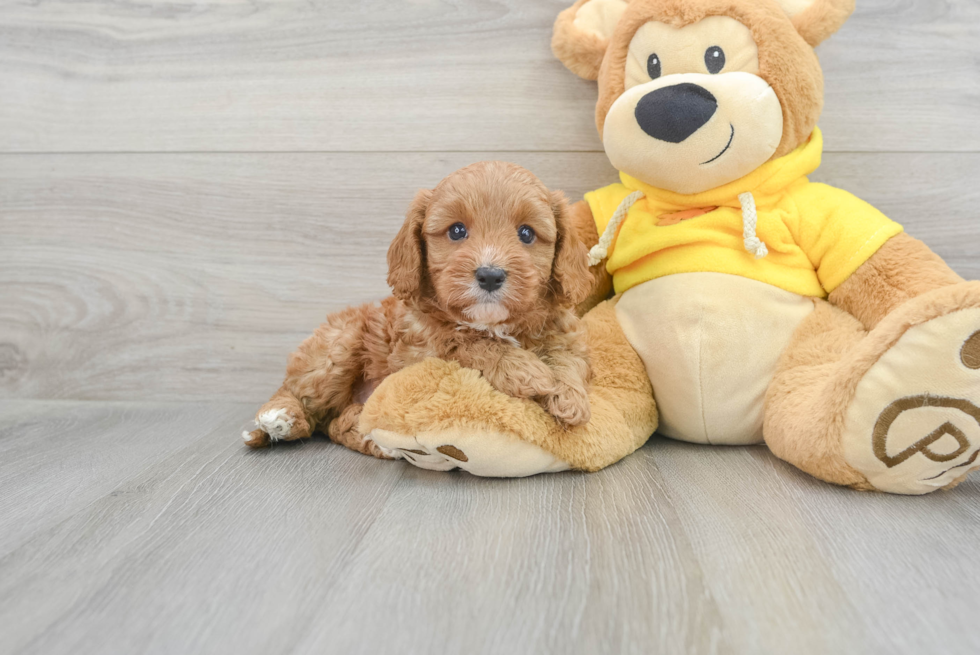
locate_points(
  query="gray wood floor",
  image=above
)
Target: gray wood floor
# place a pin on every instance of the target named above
(186, 188)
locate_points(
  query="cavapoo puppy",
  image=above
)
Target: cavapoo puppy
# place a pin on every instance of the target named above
(486, 271)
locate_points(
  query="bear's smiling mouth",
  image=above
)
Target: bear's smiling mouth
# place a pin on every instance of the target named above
(729, 145)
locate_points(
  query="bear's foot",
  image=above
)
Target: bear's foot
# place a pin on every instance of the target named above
(484, 453)
(913, 424)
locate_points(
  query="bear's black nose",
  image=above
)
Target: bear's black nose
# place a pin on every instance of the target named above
(490, 278)
(674, 113)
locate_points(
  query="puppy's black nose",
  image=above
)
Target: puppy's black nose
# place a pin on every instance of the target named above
(490, 278)
(674, 113)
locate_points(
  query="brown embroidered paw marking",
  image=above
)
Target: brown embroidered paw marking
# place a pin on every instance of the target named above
(441, 458)
(925, 445)
(970, 352)
(454, 452)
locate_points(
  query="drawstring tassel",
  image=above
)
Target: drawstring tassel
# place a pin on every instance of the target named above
(752, 243)
(601, 250)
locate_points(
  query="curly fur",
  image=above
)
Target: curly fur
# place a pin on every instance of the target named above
(525, 337)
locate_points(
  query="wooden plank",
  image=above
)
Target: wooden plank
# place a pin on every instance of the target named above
(188, 263)
(798, 565)
(216, 548)
(58, 457)
(910, 566)
(774, 587)
(187, 276)
(878, 100)
(399, 76)
(312, 548)
(568, 563)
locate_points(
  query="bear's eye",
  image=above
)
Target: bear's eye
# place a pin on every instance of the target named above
(714, 59)
(525, 234)
(653, 66)
(457, 231)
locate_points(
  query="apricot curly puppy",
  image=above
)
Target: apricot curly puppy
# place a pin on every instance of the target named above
(485, 271)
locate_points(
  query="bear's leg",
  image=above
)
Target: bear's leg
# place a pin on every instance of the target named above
(896, 408)
(325, 375)
(800, 413)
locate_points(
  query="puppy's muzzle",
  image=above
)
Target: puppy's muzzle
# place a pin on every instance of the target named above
(673, 113)
(490, 278)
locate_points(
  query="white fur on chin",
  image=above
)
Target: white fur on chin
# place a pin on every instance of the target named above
(487, 313)
(489, 318)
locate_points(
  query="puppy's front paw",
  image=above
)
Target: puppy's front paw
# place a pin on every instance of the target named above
(569, 405)
(277, 424)
(528, 380)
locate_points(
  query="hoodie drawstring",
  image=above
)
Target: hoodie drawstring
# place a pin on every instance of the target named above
(753, 244)
(601, 250)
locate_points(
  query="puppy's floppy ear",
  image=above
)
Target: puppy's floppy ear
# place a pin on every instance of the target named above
(816, 20)
(406, 255)
(571, 279)
(582, 32)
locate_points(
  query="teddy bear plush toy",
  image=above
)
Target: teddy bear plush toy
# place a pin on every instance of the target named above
(752, 304)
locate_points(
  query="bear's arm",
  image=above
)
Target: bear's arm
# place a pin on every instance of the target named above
(901, 269)
(863, 259)
(586, 231)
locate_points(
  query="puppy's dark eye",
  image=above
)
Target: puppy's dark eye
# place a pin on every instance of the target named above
(525, 234)
(653, 66)
(457, 231)
(714, 59)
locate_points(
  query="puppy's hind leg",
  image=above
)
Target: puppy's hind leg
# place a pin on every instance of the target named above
(283, 418)
(321, 377)
(343, 430)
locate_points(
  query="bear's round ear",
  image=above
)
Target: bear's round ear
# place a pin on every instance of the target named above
(582, 34)
(816, 20)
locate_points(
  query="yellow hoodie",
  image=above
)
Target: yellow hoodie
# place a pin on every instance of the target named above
(816, 235)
